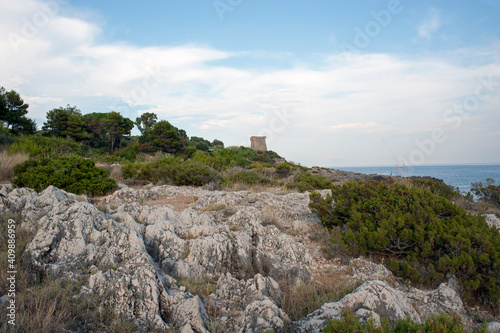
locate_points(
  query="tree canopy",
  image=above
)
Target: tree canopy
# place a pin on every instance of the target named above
(66, 122)
(13, 112)
(111, 127)
(146, 122)
(165, 137)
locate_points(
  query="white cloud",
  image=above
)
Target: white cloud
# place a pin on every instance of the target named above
(341, 109)
(430, 25)
(369, 127)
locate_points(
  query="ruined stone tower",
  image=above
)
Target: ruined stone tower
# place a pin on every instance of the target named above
(258, 143)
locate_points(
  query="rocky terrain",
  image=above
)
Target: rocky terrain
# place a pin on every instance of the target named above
(133, 247)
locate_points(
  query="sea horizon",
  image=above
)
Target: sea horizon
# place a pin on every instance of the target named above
(456, 175)
(409, 166)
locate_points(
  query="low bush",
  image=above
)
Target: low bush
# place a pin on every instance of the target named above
(306, 181)
(128, 153)
(40, 146)
(436, 186)
(423, 236)
(73, 174)
(283, 169)
(172, 170)
(226, 158)
(129, 170)
(247, 177)
(266, 157)
(434, 324)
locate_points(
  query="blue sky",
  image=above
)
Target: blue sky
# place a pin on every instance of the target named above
(330, 83)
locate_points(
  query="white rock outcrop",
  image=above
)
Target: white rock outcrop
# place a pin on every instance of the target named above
(381, 300)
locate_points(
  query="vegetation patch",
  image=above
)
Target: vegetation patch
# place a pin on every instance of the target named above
(213, 207)
(246, 177)
(306, 181)
(424, 236)
(434, 324)
(202, 287)
(73, 174)
(40, 147)
(172, 170)
(436, 186)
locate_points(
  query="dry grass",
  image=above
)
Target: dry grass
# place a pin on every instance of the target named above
(484, 207)
(112, 170)
(202, 287)
(213, 207)
(7, 162)
(464, 202)
(180, 203)
(329, 240)
(267, 217)
(304, 298)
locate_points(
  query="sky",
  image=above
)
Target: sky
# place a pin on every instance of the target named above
(329, 83)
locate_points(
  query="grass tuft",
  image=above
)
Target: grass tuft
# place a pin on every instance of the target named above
(305, 297)
(213, 207)
(8, 162)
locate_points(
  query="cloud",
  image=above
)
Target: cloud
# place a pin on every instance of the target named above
(327, 98)
(430, 25)
(370, 127)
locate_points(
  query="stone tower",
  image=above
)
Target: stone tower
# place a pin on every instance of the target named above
(258, 143)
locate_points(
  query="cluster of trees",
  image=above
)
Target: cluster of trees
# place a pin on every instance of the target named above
(98, 130)
(110, 129)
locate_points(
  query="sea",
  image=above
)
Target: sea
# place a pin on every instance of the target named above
(460, 176)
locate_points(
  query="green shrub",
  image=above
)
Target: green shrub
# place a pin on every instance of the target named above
(171, 169)
(283, 169)
(434, 324)
(226, 158)
(487, 192)
(247, 177)
(308, 182)
(129, 170)
(423, 235)
(266, 157)
(128, 153)
(190, 151)
(437, 187)
(40, 146)
(73, 174)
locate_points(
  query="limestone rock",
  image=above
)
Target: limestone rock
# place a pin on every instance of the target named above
(366, 270)
(383, 301)
(254, 302)
(492, 220)
(493, 327)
